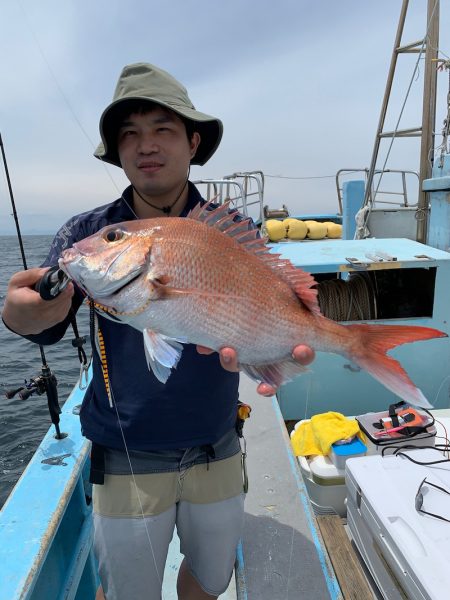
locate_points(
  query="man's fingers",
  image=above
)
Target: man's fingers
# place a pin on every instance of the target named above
(204, 350)
(27, 278)
(303, 354)
(264, 389)
(228, 359)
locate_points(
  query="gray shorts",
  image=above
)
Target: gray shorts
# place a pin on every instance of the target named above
(135, 517)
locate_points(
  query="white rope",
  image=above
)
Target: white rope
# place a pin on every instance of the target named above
(350, 300)
(306, 177)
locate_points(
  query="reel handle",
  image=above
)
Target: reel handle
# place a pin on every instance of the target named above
(52, 283)
(11, 393)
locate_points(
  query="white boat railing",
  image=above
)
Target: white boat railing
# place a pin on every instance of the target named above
(237, 189)
(377, 195)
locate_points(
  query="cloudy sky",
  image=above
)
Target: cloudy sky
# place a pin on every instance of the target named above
(297, 83)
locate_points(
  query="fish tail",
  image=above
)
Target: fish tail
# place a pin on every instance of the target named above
(368, 350)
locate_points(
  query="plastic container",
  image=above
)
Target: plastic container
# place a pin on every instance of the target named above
(377, 444)
(325, 485)
(324, 472)
(341, 452)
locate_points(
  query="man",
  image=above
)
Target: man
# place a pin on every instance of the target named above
(163, 454)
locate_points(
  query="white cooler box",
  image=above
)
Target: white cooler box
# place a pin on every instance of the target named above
(324, 481)
(325, 485)
(407, 553)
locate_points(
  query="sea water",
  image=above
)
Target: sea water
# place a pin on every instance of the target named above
(23, 423)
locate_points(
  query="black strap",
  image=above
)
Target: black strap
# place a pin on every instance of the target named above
(79, 341)
(393, 414)
(210, 453)
(97, 472)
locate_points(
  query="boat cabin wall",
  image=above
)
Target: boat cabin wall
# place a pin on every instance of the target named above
(409, 286)
(439, 197)
(401, 221)
(387, 222)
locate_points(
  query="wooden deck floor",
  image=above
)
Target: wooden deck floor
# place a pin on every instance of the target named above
(346, 563)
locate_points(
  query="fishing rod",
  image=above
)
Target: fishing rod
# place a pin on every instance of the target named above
(46, 381)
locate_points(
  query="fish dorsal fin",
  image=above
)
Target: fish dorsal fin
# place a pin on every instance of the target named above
(303, 285)
(222, 218)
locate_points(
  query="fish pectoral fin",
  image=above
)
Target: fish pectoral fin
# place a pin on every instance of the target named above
(162, 353)
(274, 374)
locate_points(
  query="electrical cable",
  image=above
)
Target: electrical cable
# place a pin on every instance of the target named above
(418, 462)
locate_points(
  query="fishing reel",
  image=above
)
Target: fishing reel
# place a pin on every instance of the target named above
(50, 286)
(44, 383)
(36, 385)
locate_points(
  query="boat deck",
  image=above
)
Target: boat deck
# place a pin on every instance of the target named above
(282, 555)
(283, 551)
(286, 551)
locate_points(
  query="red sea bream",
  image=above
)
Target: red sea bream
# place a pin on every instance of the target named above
(211, 281)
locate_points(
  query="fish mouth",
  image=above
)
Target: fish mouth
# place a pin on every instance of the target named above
(112, 288)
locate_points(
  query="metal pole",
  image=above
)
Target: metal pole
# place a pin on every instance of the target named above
(428, 115)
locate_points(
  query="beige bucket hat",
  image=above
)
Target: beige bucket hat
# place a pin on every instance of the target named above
(143, 82)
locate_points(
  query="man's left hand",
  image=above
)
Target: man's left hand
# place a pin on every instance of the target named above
(228, 359)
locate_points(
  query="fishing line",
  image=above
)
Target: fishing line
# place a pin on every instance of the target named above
(137, 490)
(64, 97)
(55, 79)
(46, 379)
(96, 334)
(290, 564)
(440, 387)
(308, 393)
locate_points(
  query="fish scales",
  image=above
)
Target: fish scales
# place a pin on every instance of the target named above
(242, 314)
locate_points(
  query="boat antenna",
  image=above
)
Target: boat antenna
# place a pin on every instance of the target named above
(46, 381)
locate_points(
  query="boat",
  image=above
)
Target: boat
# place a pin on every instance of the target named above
(294, 543)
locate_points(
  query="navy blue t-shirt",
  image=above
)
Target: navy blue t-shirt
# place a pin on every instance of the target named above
(198, 403)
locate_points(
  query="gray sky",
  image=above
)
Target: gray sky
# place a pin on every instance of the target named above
(297, 83)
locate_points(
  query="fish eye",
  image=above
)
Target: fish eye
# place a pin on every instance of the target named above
(113, 235)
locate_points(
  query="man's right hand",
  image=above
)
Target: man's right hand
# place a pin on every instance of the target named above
(25, 312)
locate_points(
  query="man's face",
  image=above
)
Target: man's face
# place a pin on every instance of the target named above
(155, 152)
